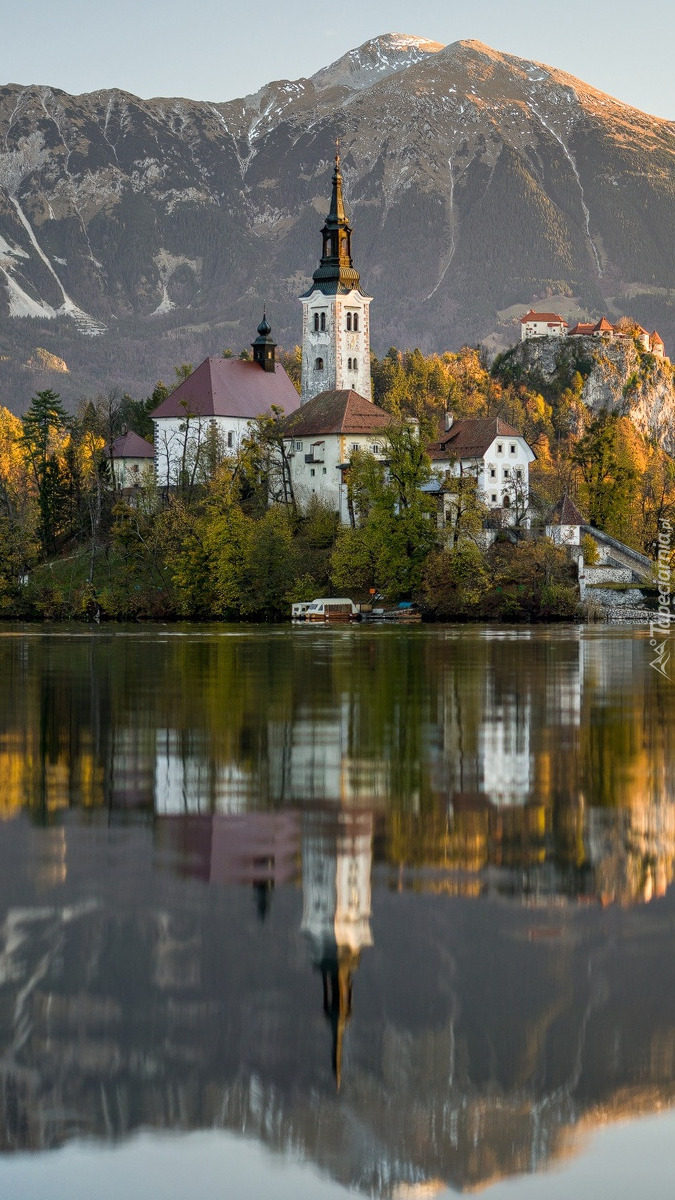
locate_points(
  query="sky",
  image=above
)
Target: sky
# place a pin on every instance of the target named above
(220, 49)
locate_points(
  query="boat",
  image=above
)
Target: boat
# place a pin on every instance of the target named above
(327, 608)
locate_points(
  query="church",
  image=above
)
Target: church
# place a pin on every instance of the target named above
(333, 417)
(336, 414)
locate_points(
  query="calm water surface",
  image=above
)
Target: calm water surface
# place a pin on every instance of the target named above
(287, 913)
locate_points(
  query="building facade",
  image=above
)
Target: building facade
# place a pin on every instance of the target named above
(335, 312)
(320, 438)
(493, 453)
(542, 324)
(131, 460)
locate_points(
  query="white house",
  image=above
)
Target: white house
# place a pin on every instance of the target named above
(542, 324)
(320, 437)
(335, 312)
(221, 397)
(495, 454)
(131, 460)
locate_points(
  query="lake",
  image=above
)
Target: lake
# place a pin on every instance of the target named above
(292, 912)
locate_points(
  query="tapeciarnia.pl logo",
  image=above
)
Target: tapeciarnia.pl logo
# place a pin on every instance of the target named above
(659, 630)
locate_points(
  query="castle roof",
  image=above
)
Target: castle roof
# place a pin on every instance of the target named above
(336, 412)
(550, 318)
(470, 437)
(603, 326)
(130, 445)
(230, 387)
(582, 329)
(657, 338)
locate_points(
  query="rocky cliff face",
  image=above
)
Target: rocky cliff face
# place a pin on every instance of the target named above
(136, 233)
(618, 377)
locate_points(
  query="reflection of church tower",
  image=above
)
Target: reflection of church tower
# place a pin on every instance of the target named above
(335, 312)
(337, 851)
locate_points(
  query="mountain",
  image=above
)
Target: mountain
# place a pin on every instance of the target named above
(139, 233)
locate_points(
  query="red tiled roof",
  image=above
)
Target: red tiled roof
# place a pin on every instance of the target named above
(657, 338)
(554, 318)
(603, 326)
(567, 513)
(230, 387)
(336, 412)
(130, 445)
(469, 437)
(581, 329)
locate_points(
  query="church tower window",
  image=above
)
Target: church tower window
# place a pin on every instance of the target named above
(318, 365)
(356, 322)
(349, 321)
(316, 322)
(323, 322)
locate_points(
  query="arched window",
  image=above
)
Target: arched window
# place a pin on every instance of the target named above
(318, 365)
(349, 364)
(323, 322)
(316, 322)
(356, 322)
(349, 321)
(355, 364)
(506, 502)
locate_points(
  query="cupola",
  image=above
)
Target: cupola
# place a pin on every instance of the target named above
(264, 346)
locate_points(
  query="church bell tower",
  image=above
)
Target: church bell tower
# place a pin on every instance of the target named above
(335, 312)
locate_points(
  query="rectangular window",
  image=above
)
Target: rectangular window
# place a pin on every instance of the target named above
(312, 472)
(512, 448)
(355, 446)
(324, 470)
(507, 473)
(493, 497)
(230, 439)
(500, 447)
(519, 473)
(298, 445)
(493, 472)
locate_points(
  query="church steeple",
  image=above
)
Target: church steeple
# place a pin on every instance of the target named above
(336, 323)
(336, 270)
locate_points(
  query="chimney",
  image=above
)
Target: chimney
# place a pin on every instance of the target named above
(449, 418)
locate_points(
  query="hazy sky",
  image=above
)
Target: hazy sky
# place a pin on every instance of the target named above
(218, 49)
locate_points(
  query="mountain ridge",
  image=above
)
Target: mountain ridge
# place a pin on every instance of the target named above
(476, 181)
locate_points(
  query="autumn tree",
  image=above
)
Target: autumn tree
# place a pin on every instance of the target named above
(46, 432)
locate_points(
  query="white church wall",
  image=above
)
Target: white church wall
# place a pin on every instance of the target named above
(181, 439)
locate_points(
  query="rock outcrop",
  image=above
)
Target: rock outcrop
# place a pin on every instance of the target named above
(618, 377)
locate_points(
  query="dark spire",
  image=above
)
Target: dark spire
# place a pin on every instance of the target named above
(264, 346)
(336, 270)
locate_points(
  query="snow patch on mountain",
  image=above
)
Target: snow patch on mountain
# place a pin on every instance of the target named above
(374, 60)
(23, 305)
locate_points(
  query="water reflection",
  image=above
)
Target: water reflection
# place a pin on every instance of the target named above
(377, 900)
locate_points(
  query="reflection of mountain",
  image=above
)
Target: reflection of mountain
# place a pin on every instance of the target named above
(482, 1036)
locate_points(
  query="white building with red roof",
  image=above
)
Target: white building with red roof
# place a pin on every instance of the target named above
(320, 438)
(542, 324)
(221, 397)
(493, 453)
(131, 460)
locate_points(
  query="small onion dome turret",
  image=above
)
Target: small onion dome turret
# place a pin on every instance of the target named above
(264, 346)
